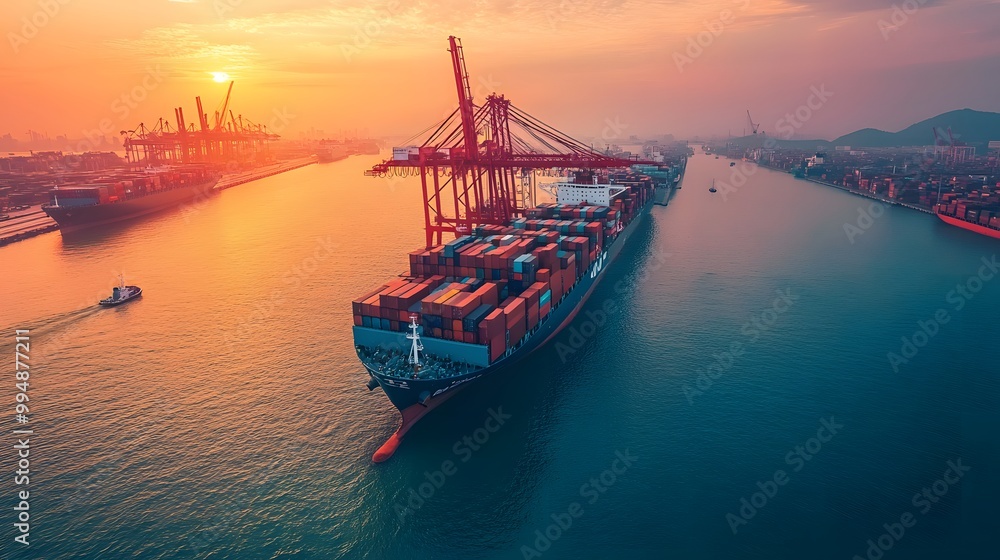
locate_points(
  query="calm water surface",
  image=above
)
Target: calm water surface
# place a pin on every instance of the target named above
(224, 415)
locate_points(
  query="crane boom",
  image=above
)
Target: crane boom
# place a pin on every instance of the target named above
(225, 105)
(753, 126)
(464, 97)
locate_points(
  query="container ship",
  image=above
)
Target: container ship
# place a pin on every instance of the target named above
(977, 213)
(470, 307)
(127, 195)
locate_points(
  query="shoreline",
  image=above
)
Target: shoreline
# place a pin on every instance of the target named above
(854, 192)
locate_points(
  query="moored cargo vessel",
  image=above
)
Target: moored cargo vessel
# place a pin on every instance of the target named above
(483, 301)
(515, 273)
(128, 195)
(977, 213)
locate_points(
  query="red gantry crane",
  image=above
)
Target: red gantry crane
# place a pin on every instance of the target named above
(477, 166)
(236, 140)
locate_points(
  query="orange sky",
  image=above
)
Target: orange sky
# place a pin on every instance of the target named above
(576, 64)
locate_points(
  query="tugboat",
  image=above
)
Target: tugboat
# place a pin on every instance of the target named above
(121, 293)
(712, 188)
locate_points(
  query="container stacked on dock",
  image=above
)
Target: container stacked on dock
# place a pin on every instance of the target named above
(493, 287)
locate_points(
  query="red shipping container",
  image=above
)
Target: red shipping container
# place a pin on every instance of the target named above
(360, 306)
(356, 304)
(404, 296)
(532, 316)
(489, 293)
(388, 296)
(461, 305)
(416, 293)
(498, 346)
(548, 258)
(469, 338)
(434, 281)
(492, 325)
(516, 332)
(543, 275)
(537, 289)
(556, 285)
(357, 320)
(514, 313)
(437, 254)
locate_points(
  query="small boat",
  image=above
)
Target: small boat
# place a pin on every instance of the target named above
(712, 188)
(121, 293)
(732, 164)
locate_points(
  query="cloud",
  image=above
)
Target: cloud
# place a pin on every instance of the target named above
(857, 6)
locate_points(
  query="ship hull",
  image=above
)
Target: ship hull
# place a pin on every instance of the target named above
(416, 397)
(72, 219)
(982, 230)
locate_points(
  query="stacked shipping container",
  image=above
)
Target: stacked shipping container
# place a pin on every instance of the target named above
(492, 288)
(978, 208)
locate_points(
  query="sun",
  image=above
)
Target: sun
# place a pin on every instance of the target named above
(220, 77)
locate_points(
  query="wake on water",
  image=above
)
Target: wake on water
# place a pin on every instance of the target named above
(53, 323)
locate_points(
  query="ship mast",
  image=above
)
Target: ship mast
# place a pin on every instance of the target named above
(416, 347)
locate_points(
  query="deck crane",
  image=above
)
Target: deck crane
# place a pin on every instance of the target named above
(753, 126)
(478, 166)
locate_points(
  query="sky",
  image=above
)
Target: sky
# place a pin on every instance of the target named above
(608, 68)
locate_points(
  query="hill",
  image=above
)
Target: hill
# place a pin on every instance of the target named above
(974, 128)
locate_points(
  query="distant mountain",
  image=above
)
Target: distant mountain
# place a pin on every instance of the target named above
(974, 128)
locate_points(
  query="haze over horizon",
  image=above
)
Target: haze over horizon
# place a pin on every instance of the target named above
(585, 67)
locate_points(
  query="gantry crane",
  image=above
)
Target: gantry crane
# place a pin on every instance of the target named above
(477, 166)
(225, 142)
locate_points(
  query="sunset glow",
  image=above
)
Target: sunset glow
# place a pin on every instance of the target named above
(684, 69)
(499, 279)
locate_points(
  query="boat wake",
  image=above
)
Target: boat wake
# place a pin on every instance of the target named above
(60, 321)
